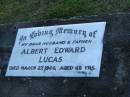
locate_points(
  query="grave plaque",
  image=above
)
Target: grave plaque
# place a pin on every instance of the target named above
(72, 50)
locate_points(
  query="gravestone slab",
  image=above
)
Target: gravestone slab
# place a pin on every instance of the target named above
(114, 78)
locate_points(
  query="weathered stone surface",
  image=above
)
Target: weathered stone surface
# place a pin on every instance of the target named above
(114, 80)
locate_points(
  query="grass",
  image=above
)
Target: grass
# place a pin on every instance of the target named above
(12, 11)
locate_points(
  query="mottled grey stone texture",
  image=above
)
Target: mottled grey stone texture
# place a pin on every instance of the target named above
(114, 80)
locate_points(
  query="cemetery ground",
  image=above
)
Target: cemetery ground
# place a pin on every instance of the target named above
(12, 11)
